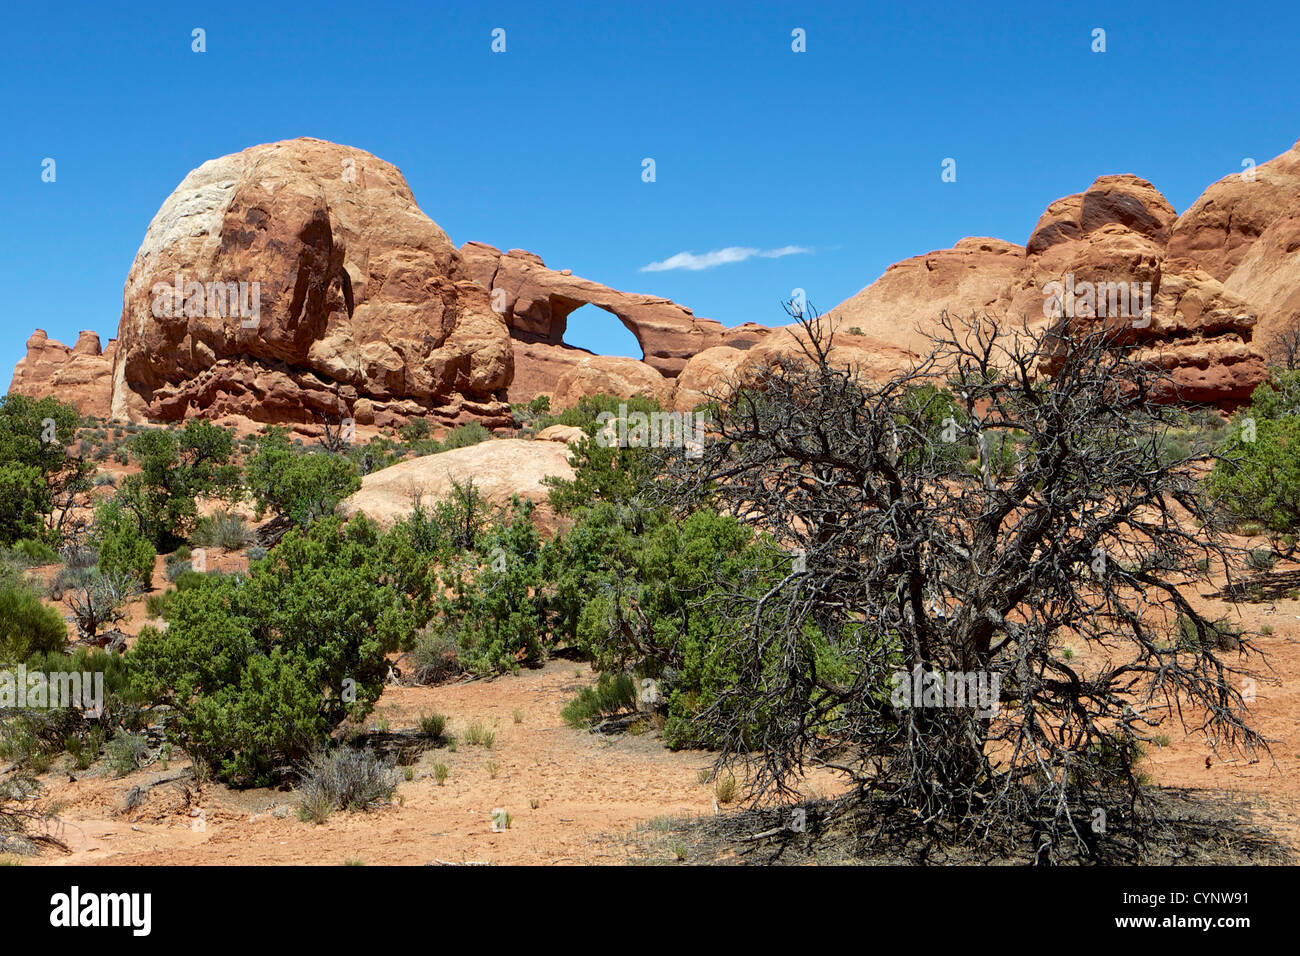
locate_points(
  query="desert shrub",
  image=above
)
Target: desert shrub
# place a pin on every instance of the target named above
(416, 430)
(256, 553)
(1218, 635)
(20, 813)
(26, 625)
(79, 554)
(494, 610)
(374, 455)
(176, 466)
(432, 725)
(726, 789)
(602, 470)
(34, 552)
(1262, 559)
(478, 734)
(434, 655)
(346, 778)
(67, 579)
(654, 602)
(294, 485)
(259, 669)
(532, 415)
(121, 706)
(127, 752)
(462, 436)
(222, 530)
(178, 562)
(121, 545)
(98, 600)
(38, 473)
(1256, 476)
(612, 694)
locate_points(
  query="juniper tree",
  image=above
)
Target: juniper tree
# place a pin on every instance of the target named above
(1056, 557)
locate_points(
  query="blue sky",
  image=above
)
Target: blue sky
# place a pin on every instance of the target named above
(836, 152)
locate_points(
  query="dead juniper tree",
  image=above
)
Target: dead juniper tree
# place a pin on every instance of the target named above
(338, 429)
(1005, 534)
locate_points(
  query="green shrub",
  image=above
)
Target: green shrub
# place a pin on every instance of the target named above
(121, 545)
(462, 436)
(1220, 635)
(1262, 559)
(1256, 476)
(612, 694)
(258, 670)
(478, 734)
(34, 552)
(432, 725)
(27, 626)
(178, 562)
(176, 466)
(295, 485)
(434, 656)
(36, 465)
(100, 598)
(493, 609)
(127, 752)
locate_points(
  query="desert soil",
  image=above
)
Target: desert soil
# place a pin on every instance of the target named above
(593, 793)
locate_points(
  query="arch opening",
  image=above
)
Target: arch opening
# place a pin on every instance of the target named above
(602, 332)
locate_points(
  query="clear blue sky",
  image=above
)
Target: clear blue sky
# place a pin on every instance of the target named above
(836, 150)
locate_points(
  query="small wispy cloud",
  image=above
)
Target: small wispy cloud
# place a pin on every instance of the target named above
(721, 257)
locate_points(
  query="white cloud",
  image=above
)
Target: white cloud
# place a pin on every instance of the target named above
(721, 257)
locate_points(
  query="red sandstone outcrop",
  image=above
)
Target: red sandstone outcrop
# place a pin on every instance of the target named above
(341, 282)
(499, 469)
(1116, 232)
(708, 374)
(1245, 231)
(81, 375)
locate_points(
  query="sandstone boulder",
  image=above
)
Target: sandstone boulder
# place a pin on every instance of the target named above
(296, 267)
(562, 433)
(609, 375)
(1245, 231)
(499, 468)
(1115, 236)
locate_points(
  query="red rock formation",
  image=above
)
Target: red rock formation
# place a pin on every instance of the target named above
(361, 298)
(80, 375)
(355, 289)
(536, 302)
(1245, 231)
(1118, 231)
